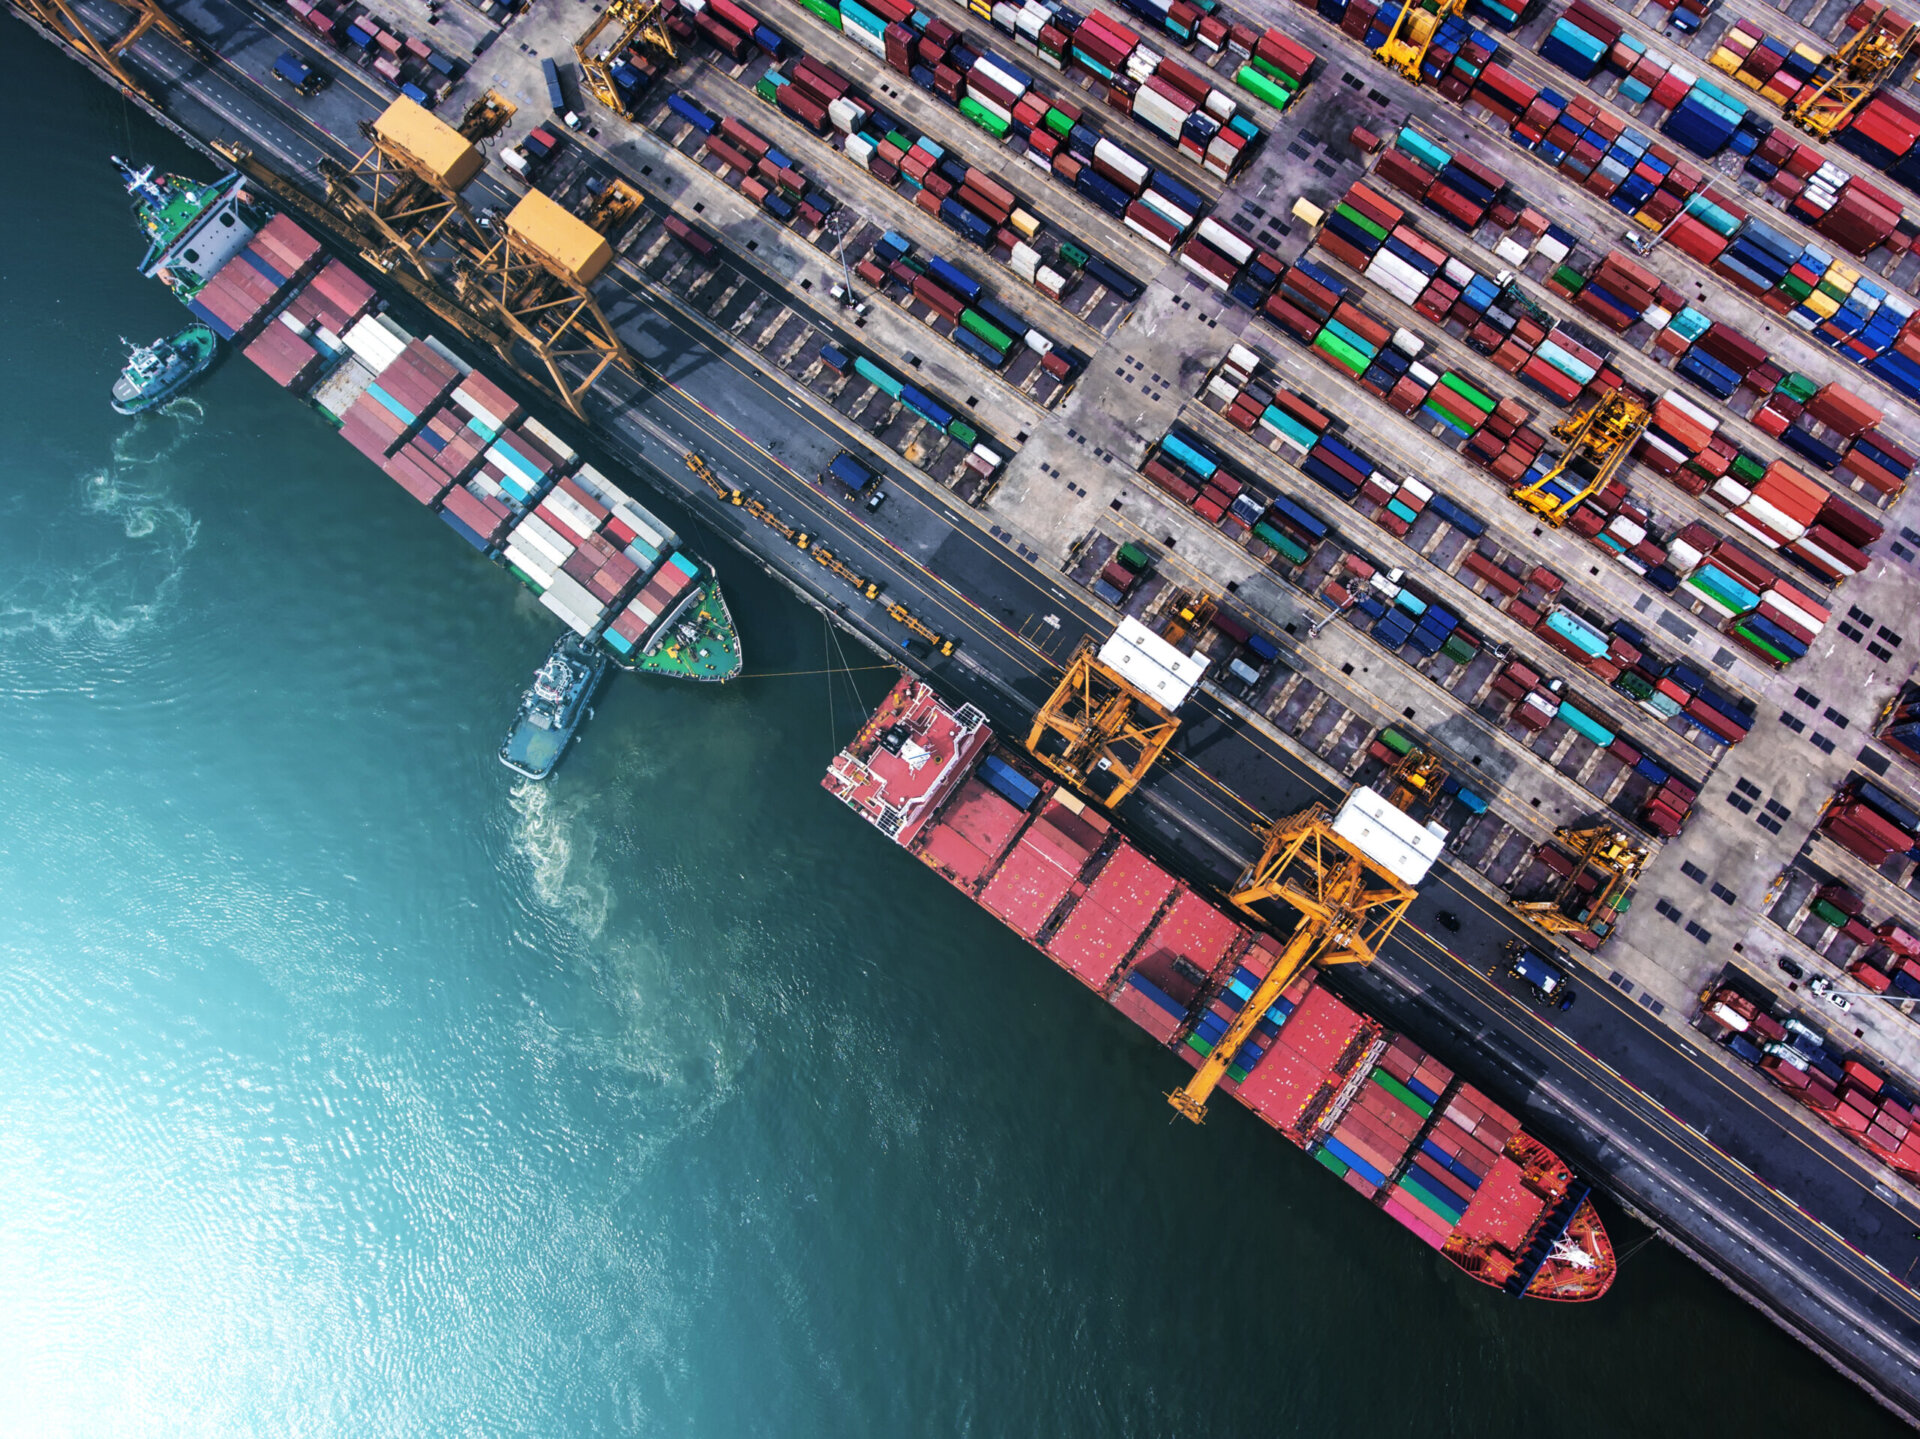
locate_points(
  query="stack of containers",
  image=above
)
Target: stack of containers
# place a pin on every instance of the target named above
(1372, 1138)
(1871, 824)
(1899, 727)
(1460, 1150)
(673, 587)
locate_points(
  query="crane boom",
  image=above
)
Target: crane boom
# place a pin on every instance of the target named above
(1350, 877)
(638, 22)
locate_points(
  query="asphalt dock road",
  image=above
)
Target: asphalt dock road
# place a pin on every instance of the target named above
(1666, 1130)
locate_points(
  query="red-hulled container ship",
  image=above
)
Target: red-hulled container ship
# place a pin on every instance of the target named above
(1389, 1120)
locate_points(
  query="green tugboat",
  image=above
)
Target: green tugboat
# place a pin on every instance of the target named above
(553, 708)
(157, 372)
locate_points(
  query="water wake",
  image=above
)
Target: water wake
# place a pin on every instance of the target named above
(559, 850)
(118, 583)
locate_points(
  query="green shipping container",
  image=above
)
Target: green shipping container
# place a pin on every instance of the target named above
(980, 325)
(826, 12)
(1633, 684)
(1340, 352)
(1329, 1161)
(1354, 217)
(1794, 288)
(1569, 279)
(527, 579)
(1830, 912)
(1747, 470)
(984, 117)
(1059, 122)
(894, 137)
(964, 433)
(1395, 741)
(1475, 397)
(1072, 254)
(1459, 650)
(1271, 72)
(1798, 387)
(1400, 1092)
(1281, 543)
(1261, 88)
(1778, 656)
(1135, 558)
(872, 373)
(767, 89)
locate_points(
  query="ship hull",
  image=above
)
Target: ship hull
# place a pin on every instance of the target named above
(1426, 1147)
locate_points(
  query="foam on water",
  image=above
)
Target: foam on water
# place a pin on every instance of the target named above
(558, 847)
(115, 561)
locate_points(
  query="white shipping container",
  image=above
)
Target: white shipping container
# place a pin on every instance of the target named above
(1511, 250)
(534, 565)
(394, 328)
(1205, 274)
(1777, 520)
(1794, 612)
(1417, 489)
(1038, 343)
(577, 596)
(1457, 274)
(1551, 250)
(535, 533)
(1730, 492)
(1222, 106)
(1759, 536)
(286, 318)
(1159, 114)
(1682, 558)
(1407, 343)
(1387, 265)
(1281, 435)
(568, 455)
(1122, 162)
(845, 116)
(1627, 531)
(1653, 441)
(1405, 291)
(1425, 376)
(1225, 241)
(1167, 210)
(1244, 358)
(866, 40)
(1010, 83)
(1223, 389)
(460, 366)
(1692, 411)
(1050, 280)
(570, 512)
(993, 459)
(991, 107)
(579, 624)
(1164, 246)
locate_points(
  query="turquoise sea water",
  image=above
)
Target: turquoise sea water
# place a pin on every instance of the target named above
(351, 1087)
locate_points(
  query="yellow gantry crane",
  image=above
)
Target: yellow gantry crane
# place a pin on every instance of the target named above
(1112, 714)
(634, 22)
(66, 24)
(405, 190)
(1350, 877)
(1406, 45)
(1847, 79)
(1573, 907)
(1598, 440)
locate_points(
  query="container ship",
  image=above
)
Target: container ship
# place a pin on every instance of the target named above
(1384, 1117)
(448, 435)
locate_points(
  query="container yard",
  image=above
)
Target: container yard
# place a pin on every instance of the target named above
(1527, 389)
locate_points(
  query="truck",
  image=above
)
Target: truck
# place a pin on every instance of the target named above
(1548, 981)
(307, 79)
(851, 473)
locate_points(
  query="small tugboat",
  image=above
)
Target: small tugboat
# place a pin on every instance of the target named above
(552, 710)
(156, 373)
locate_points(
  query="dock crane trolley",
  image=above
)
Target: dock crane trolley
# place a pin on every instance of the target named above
(1350, 877)
(1112, 714)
